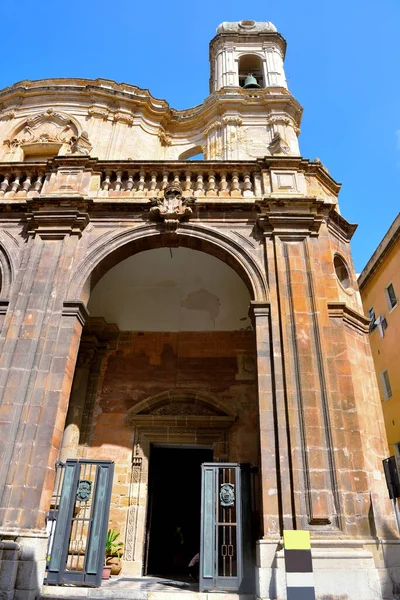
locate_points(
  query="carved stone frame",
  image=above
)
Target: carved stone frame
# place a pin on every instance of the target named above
(186, 430)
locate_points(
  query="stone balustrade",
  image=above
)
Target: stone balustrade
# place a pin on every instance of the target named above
(201, 180)
(20, 182)
(144, 181)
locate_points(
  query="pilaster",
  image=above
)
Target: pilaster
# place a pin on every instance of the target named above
(260, 315)
(39, 343)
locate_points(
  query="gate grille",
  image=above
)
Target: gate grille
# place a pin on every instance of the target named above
(78, 522)
(225, 547)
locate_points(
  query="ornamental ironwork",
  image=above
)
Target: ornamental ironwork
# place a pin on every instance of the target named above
(84, 490)
(227, 495)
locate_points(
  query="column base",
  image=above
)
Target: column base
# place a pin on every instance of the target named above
(343, 569)
(22, 566)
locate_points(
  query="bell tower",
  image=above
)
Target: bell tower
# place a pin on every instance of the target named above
(247, 80)
(247, 54)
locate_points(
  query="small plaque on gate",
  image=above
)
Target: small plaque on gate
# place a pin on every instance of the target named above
(227, 494)
(84, 490)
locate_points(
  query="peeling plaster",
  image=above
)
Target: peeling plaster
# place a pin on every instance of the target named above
(202, 300)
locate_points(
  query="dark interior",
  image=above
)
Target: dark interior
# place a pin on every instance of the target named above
(173, 519)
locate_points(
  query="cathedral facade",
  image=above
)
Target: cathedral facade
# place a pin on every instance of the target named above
(160, 310)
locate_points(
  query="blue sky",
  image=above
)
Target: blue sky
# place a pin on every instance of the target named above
(342, 64)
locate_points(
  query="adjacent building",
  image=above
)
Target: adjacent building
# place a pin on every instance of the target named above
(380, 292)
(158, 314)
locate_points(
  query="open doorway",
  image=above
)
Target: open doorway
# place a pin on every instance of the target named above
(173, 518)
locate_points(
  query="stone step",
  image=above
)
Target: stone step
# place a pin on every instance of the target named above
(135, 590)
(73, 593)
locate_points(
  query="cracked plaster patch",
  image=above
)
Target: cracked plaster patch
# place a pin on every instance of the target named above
(202, 299)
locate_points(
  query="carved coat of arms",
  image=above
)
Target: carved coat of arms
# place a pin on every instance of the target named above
(173, 208)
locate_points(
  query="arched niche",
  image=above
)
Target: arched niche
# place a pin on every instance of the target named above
(251, 64)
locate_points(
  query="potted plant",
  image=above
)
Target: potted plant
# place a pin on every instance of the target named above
(113, 552)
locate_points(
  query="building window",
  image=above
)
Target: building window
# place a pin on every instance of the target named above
(342, 272)
(371, 315)
(387, 390)
(391, 296)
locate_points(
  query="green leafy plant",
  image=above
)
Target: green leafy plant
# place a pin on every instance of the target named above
(113, 547)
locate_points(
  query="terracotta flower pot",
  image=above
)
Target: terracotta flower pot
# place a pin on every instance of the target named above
(106, 573)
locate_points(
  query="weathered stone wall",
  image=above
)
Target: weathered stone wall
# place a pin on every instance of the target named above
(145, 364)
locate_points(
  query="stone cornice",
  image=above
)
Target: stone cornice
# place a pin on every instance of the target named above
(77, 309)
(107, 99)
(56, 222)
(301, 216)
(247, 37)
(298, 216)
(340, 310)
(340, 227)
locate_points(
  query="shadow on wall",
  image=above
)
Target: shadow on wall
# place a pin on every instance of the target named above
(21, 574)
(387, 556)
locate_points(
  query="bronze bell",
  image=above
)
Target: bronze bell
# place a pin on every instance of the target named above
(250, 82)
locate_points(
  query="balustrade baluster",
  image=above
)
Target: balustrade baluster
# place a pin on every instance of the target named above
(223, 188)
(235, 189)
(165, 179)
(188, 181)
(26, 186)
(211, 191)
(16, 183)
(4, 184)
(199, 185)
(153, 183)
(247, 185)
(142, 178)
(129, 182)
(177, 178)
(107, 181)
(118, 181)
(37, 186)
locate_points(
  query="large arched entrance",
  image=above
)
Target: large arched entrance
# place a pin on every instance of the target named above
(165, 380)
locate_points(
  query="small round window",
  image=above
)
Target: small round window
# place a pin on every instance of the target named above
(342, 272)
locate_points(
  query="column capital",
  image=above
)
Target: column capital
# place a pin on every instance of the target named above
(258, 309)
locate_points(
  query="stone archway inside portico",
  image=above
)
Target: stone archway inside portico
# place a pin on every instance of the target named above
(126, 359)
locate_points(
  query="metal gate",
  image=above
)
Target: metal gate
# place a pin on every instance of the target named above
(225, 546)
(78, 522)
